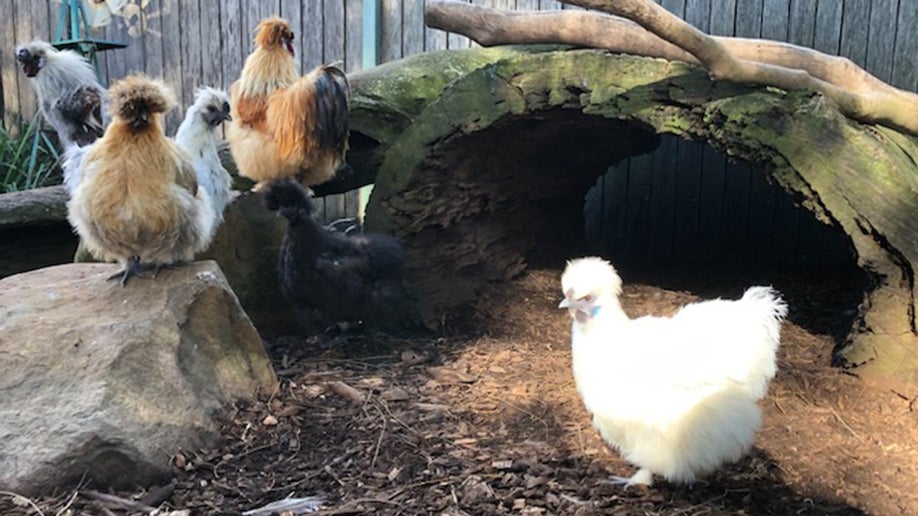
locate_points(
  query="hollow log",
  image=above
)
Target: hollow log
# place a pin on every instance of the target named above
(491, 176)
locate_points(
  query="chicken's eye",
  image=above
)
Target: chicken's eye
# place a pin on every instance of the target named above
(588, 298)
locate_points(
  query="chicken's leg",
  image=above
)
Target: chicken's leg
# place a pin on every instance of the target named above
(643, 477)
(132, 267)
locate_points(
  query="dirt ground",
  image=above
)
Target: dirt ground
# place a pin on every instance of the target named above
(490, 423)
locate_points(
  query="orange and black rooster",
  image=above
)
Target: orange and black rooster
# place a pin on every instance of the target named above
(287, 126)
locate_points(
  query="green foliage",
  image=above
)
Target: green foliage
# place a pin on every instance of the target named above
(23, 165)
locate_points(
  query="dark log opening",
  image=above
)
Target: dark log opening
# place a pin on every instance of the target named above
(687, 203)
(507, 196)
(687, 218)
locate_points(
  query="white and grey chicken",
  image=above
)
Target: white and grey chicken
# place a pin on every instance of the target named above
(676, 396)
(70, 98)
(196, 136)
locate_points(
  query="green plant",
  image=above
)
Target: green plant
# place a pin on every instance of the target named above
(28, 158)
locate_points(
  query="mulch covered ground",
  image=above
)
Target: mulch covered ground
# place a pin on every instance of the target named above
(489, 422)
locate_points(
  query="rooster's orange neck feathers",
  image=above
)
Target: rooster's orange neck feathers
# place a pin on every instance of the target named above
(271, 66)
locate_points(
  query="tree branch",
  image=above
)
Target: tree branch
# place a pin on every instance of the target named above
(658, 33)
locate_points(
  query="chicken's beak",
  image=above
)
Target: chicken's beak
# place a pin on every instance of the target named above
(141, 120)
(31, 64)
(565, 303)
(227, 116)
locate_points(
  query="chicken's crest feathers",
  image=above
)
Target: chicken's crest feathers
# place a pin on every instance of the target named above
(590, 275)
(273, 31)
(53, 66)
(211, 106)
(138, 95)
(290, 198)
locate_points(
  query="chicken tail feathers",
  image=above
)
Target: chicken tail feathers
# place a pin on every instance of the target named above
(290, 199)
(311, 114)
(332, 103)
(768, 297)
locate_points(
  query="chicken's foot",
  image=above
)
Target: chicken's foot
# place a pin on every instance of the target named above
(132, 267)
(643, 477)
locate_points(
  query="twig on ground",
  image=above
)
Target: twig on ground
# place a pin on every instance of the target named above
(382, 433)
(19, 498)
(118, 502)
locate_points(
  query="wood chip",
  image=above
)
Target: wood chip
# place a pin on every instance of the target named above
(344, 390)
(411, 358)
(395, 394)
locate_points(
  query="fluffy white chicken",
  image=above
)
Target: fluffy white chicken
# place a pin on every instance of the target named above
(197, 137)
(675, 395)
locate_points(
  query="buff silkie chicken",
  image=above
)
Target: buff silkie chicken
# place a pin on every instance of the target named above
(284, 125)
(676, 396)
(196, 135)
(138, 202)
(69, 94)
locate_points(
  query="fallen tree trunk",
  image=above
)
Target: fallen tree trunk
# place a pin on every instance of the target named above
(491, 176)
(857, 93)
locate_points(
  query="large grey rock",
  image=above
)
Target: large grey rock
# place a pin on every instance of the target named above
(109, 382)
(246, 246)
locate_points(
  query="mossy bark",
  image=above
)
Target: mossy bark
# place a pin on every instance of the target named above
(492, 174)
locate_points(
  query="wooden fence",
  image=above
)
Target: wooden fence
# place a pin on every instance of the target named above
(683, 201)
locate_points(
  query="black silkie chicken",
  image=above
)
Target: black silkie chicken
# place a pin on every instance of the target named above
(330, 277)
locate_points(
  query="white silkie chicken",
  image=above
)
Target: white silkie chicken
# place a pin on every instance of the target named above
(196, 136)
(676, 396)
